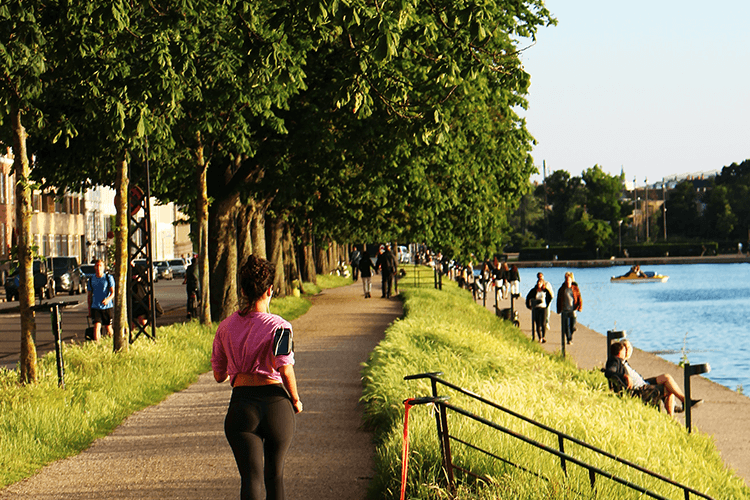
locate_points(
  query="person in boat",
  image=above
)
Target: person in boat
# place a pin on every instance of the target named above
(617, 363)
(568, 303)
(636, 269)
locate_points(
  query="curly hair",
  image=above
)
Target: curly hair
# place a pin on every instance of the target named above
(256, 275)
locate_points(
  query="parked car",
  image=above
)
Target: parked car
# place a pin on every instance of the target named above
(87, 271)
(178, 267)
(44, 282)
(164, 270)
(67, 276)
(143, 263)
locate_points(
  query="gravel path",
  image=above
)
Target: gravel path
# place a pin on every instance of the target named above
(177, 449)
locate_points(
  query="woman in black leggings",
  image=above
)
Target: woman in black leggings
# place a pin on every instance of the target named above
(260, 420)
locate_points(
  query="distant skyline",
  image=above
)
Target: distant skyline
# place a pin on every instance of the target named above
(653, 88)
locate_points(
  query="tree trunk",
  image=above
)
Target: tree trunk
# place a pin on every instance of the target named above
(275, 230)
(202, 223)
(331, 256)
(321, 259)
(244, 236)
(258, 228)
(291, 271)
(27, 361)
(120, 320)
(308, 256)
(222, 250)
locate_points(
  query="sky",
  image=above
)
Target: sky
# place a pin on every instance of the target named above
(653, 88)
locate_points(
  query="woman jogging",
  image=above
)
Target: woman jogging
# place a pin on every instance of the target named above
(253, 350)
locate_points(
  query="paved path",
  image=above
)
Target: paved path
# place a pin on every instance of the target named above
(725, 414)
(177, 449)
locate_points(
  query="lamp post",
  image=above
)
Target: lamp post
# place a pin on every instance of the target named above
(664, 205)
(645, 205)
(619, 236)
(635, 208)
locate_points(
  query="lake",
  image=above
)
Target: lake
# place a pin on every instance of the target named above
(703, 309)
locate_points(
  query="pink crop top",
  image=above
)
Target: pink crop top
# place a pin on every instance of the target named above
(244, 344)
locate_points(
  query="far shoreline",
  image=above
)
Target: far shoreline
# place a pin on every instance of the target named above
(630, 261)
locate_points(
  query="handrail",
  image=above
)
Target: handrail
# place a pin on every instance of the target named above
(435, 379)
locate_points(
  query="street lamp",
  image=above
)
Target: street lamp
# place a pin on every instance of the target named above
(635, 208)
(664, 205)
(619, 236)
(645, 181)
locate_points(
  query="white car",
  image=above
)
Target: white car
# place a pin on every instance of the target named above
(178, 267)
(404, 256)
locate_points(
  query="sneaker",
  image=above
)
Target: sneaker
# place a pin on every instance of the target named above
(544, 341)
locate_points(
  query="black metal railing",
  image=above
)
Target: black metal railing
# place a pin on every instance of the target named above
(445, 438)
(419, 276)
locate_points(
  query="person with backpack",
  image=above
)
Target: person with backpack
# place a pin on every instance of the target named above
(101, 296)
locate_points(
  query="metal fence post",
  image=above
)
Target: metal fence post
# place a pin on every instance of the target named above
(691, 370)
(613, 335)
(57, 333)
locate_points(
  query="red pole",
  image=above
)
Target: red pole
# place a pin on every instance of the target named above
(405, 449)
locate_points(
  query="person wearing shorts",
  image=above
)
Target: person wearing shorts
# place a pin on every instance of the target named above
(101, 294)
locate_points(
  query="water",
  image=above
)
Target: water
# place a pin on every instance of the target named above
(703, 309)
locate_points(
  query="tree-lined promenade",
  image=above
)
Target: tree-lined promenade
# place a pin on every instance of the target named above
(277, 126)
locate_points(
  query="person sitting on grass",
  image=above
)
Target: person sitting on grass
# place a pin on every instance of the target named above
(617, 363)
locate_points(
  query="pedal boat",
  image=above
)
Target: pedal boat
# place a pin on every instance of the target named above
(644, 277)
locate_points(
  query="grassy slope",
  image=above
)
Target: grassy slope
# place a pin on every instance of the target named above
(445, 331)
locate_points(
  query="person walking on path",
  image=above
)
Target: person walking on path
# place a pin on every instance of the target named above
(386, 264)
(548, 286)
(101, 296)
(365, 270)
(253, 350)
(537, 300)
(354, 258)
(568, 303)
(515, 281)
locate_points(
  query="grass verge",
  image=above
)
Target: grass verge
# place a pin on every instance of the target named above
(41, 423)
(446, 331)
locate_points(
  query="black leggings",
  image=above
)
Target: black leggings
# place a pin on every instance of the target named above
(259, 427)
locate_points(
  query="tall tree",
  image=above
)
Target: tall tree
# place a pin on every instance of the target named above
(23, 54)
(603, 192)
(682, 207)
(114, 89)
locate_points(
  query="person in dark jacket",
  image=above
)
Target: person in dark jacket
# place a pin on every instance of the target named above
(568, 303)
(354, 257)
(366, 267)
(537, 300)
(386, 264)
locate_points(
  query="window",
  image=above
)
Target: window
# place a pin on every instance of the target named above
(3, 188)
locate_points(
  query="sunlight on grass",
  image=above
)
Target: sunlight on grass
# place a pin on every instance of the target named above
(41, 423)
(446, 331)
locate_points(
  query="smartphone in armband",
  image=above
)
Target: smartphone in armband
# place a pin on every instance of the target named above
(283, 342)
